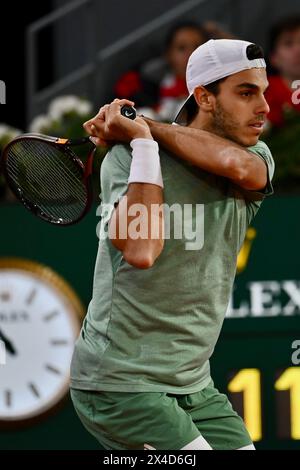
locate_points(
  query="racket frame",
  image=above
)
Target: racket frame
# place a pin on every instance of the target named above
(61, 144)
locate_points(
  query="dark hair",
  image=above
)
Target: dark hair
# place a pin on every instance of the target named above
(214, 87)
(253, 51)
(192, 107)
(285, 25)
(188, 24)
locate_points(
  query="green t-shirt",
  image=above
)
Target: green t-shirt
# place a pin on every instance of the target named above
(155, 329)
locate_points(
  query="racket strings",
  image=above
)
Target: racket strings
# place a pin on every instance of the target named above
(47, 178)
(38, 177)
(41, 168)
(44, 189)
(56, 205)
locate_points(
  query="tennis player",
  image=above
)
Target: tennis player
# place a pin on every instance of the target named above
(140, 375)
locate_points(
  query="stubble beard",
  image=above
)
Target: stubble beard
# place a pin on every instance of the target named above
(225, 125)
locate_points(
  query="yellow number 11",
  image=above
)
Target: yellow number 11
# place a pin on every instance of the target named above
(248, 381)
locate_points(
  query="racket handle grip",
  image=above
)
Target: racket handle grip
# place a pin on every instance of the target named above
(128, 111)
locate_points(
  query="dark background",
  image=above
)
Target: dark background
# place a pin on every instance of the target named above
(15, 17)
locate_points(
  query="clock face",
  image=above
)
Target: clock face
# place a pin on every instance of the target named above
(39, 322)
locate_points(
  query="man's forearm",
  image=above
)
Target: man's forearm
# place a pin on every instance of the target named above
(136, 226)
(211, 153)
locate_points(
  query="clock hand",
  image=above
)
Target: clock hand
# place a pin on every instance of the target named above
(8, 344)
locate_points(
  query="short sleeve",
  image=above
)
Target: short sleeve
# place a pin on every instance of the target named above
(254, 198)
(114, 175)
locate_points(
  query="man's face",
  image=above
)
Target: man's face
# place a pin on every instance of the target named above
(286, 56)
(185, 41)
(240, 107)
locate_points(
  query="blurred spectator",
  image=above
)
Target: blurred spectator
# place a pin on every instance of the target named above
(285, 58)
(158, 87)
(180, 44)
(159, 84)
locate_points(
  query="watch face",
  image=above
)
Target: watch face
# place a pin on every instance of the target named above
(39, 322)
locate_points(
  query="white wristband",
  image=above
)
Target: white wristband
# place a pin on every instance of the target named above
(145, 165)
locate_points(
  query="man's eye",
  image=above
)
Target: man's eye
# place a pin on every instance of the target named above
(246, 93)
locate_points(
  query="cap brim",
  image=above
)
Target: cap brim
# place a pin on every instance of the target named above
(182, 116)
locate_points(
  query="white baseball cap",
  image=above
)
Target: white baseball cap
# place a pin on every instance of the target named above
(216, 59)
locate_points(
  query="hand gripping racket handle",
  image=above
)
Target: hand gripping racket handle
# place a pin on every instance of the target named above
(127, 111)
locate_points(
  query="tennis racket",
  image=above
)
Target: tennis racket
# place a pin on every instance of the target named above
(49, 178)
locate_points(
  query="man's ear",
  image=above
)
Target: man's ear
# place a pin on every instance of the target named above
(204, 98)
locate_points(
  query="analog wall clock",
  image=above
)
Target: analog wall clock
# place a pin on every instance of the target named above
(40, 317)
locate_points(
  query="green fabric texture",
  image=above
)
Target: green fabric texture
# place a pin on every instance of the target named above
(154, 330)
(122, 421)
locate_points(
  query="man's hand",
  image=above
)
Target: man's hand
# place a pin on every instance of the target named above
(109, 126)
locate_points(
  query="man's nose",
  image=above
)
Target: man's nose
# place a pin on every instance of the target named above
(263, 107)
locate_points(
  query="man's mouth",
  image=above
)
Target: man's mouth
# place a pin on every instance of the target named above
(257, 125)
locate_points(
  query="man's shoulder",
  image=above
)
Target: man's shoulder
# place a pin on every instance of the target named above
(260, 147)
(262, 150)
